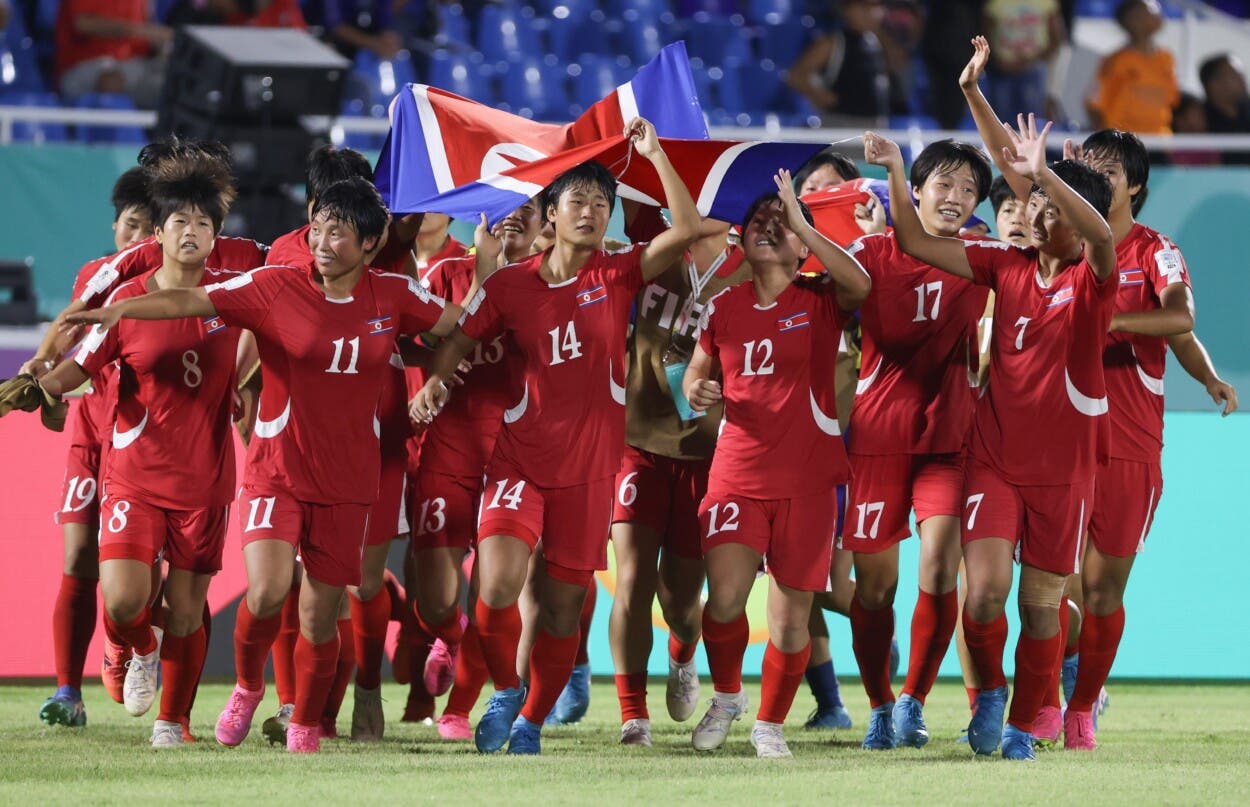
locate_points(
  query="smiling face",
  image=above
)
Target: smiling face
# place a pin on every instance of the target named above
(1049, 231)
(1012, 223)
(767, 240)
(519, 229)
(580, 215)
(186, 236)
(826, 176)
(947, 198)
(336, 247)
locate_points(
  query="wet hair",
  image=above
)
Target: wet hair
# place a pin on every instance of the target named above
(841, 163)
(946, 155)
(1000, 191)
(131, 190)
(355, 201)
(590, 174)
(1127, 149)
(194, 181)
(328, 165)
(769, 198)
(1091, 185)
(1211, 66)
(174, 146)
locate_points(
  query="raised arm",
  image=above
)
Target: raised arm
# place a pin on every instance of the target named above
(701, 391)
(1175, 317)
(1195, 360)
(851, 282)
(660, 253)
(1028, 157)
(946, 254)
(987, 121)
(163, 304)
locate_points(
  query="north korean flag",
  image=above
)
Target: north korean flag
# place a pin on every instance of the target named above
(380, 325)
(213, 325)
(794, 322)
(591, 296)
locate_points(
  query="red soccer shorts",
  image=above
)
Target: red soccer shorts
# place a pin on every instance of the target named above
(387, 517)
(444, 511)
(1126, 494)
(572, 522)
(795, 535)
(1046, 522)
(329, 537)
(192, 540)
(80, 495)
(663, 495)
(886, 488)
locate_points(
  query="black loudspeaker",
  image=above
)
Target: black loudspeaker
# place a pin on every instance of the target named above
(251, 75)
(18, 302)
(263, 155)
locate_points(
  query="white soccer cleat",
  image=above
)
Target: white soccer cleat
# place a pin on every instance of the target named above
(143, 679)
(166, 734)
(768, 741)
(682, 693)
(712, 730)
(636, 731)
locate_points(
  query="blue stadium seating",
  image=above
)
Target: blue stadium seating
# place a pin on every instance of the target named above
(535, 89)
(508, 33)
(383, 77)
(593, 77)
(453, 26)
(716, 39)
(772, 12)
(569, 35)
(108, 134)
(24, 132)
(641, 40)
(460, 74)
(782, 43)
(19, 66)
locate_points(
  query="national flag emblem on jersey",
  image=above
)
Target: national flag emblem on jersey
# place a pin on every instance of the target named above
(213, 325)
(793, 322)
(1060, 297)
(380, 325)
(591, 296)
(1132, 277)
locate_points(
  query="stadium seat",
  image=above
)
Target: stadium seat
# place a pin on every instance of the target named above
(384, 77)
(535, 89)
(569, 35)
(782, 43)
(771, 12)
(507, 33)
(716, 39)
(19, 63)
(763, 90)
(639, 9)
(641, 41)
(461, 75)
(108, 134)
(26, 132)
(593, 78)
(45, 14)
(453, 27)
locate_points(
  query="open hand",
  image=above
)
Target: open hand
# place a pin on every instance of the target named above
(976, 65)
(486, 243)
(1027, 155)
(789, 201)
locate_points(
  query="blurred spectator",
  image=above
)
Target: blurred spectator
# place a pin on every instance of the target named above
(1223, 79)
(845, 74)
(1023, 36)
(260, 13)
(110, 46)
(352, 25)
(1136, 86)
(1190, 117)
(4, 14)
(949, 26)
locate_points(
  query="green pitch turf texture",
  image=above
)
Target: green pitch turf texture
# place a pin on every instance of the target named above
(1161, 744)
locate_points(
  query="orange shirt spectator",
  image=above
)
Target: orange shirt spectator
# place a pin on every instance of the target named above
(1136, 91)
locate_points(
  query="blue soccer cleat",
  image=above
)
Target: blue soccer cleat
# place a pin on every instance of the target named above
(496, 724)
(525, 737)
(1018, 745)
(64, 708)
(1067, 675)
(573, 702)
(909, 727)
(880, 735)
(832, 718)
(986, 729)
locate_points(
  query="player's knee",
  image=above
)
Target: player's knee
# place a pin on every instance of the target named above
(985, 604)
(1103, 599)
(266, 597)
(1039, 621)
(875, 595)
(183, 622)
(368, 589)
(124, 607)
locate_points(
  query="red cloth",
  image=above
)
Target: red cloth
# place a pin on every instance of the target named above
(182, 660)
(551, 663)
(73, 47)
(932, 626)
(725, 644)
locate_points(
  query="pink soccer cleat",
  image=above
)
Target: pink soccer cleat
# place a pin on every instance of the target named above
(303, 739)
(454, 727)
(1078, 731)
(440, 667)
(235, 721)
(1046, 726)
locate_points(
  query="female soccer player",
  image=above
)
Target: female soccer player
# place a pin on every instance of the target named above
(1040, 428)
(779, 456)
(325, 339)
(553, 467)
(447, 493)
(174, 379)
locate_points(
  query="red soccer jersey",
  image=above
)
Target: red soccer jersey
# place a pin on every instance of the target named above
(233, 254)
(174, 398)
(568, 427)
(98, 404)
(291, 249)
(1042, 420)
(779, 438)
(452, 249)
(323, 361)
(1147, 263)
(919, 326)
(461, 439)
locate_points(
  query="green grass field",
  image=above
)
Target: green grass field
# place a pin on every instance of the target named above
(1161, 744)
